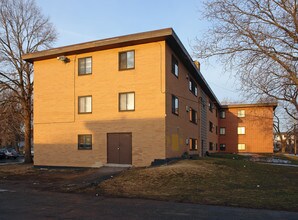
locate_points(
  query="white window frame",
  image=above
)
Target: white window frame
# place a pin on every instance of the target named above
(222, 130)
(175, 105)
(126, 60)
(222, 114)
(194, 113)
(241, 146)
(83, 66)
(127, 101)
(85, 104)
(241, 113)
(175, 66)
(193, 142)
(241, 130)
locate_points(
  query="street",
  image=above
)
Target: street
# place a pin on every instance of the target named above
(26, 203)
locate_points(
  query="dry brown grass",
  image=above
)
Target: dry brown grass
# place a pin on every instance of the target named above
(16, 169)
(211, 181)
(167, 181)
(27, 172)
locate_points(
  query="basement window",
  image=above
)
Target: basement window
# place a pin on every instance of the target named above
(210, 146)
(84, 141)
(241, 146)
(241, 130)
(222, 147)
(193, 144)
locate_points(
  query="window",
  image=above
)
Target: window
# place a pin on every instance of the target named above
(222, 147)
(84, 141)
(216, 130)
(127, 101)
(222, 114)
(222, 131)
(216, 147)
(210, 146)
(241, 130)
(211, 106)
(193, 116)
(85, 66)
(241, 146)
(175, 105)
(85, 104)
(175, 69)
(127, 60)
(193, 87)
(210, 126)
(193, 144)
(241, 113)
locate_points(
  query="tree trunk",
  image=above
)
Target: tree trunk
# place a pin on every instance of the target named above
(283, 146)
(28, 135)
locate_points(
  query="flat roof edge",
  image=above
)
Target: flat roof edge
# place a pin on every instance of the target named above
(200, 75)
(149, 36)
(268, 104)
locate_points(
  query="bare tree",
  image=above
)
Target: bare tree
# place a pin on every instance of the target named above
(259, 40)
(279, 131)
(11, 121)
(23, 29)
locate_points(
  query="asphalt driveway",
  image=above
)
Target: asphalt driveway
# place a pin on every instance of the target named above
(44, 194)
(22, 203)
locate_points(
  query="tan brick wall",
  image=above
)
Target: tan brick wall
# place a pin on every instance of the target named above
(57, 122)
(258, 123)
(179, 128)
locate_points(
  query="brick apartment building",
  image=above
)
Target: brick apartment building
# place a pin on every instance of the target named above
(246, 128)
(133, 99)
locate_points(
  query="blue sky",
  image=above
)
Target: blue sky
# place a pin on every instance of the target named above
(81, 21)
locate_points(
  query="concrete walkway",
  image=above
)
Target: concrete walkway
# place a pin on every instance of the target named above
(281, 164)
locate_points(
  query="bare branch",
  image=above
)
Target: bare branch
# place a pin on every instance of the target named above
(258, 39)
(23, 29)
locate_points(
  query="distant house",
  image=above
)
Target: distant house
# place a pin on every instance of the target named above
(130, 100)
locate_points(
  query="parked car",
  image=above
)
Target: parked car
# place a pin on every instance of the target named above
(2, 154)
(11, 153)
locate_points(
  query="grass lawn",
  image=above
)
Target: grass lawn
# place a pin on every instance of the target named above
(230, 180)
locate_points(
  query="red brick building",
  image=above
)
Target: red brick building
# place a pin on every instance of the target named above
(246, 128)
